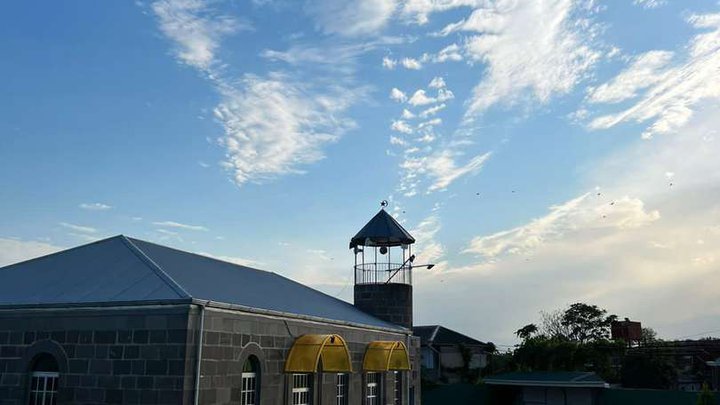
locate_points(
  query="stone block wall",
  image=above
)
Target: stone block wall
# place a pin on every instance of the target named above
(105, 355)
(390, 302)
(230, 336)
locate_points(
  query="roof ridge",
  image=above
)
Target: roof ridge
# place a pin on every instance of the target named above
(434, 334)
(164, 276)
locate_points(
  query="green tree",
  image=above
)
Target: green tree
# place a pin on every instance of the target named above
(648, 335)
(647, 370)
(526, 331)
(587, 322)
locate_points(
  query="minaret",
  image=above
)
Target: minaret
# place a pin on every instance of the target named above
(383, 269)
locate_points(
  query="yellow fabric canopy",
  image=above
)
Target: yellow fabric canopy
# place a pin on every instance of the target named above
(386, 356)
(307, 351)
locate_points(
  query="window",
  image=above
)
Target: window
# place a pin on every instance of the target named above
(302, 389)
(44, 381)
(398, 387)
(249, 391)
(373, 388)
(341, 390)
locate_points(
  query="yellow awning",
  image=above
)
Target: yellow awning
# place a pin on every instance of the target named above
(307, 351)
(386, 356)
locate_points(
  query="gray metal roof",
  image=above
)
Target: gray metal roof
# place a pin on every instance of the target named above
(382, 230)
(126, 270)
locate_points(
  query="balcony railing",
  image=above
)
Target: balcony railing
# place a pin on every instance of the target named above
(381, 273)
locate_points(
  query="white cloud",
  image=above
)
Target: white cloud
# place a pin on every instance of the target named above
(407, 114)
(430, 123)
(420, 98)
(401, 126)
(78, 228)
(584, 213)
(410, 63)
(351, 18)
(445, 95)
(272, 125)
(398, 95)
(670, 101)
(418, 11)
(451, 53)
(16, 250)
(523, 59)
(235, 260)
(444, 170)
(196, 29)
(645, 71)
(649, 3)
(95, 206)
(388, 63)
(437, 83)
(432, 110)
(428, 249)
(178, 225)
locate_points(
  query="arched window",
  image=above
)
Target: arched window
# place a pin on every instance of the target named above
(44, 376)
(250, 392)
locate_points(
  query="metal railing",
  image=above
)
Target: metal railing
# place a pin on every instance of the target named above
(382, 273)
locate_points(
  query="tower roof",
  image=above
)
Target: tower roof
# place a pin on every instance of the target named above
(382, 230)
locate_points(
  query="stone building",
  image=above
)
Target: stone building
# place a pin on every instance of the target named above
(127, 321)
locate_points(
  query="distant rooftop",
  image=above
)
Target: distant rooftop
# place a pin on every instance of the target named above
(440, 335)
(123, 270)
(579, 379)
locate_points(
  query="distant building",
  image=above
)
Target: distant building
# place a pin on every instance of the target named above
(127, 321)
(695, 361)
(627, 330)
(446, 353)
(547, 388)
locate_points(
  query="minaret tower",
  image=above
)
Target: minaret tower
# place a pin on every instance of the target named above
(383, 269)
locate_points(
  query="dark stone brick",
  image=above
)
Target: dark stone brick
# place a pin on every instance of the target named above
(88, 381)
(42, 334)
(124, 336)
(121, 367)
(78, 366)
(104, 336)
(108, 382)
(176, 336)
(72, 336)
(85, 336)
(176, 367)
(266, 341)
(140, 336)
(149, 352)
(113, 397)
(131, 352)
(4, 336)
(85, 351)
(28, 337)
(71, 380)
(225, 338)
(166, 382)
(100, 366)
(138, 367)
(158, 336)
(237, 339)
(131, 396)
(115, 352)
(156, 367)
(127, 382)
(58, 336)
(148, 397)
(82, 394)
(16, 338)
(10, 379)
(9, 351)
(169, 397)
(212, 338)
(144, 382)
(101, 352)
(97, 395)
(69, 350)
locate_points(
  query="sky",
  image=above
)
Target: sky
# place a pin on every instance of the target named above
(541, 152)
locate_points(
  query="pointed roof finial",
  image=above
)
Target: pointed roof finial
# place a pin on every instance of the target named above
(383, 204)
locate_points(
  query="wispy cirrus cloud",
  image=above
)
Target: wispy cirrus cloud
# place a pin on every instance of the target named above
(17, 250)
(178, 225)
(274, 123)
(95, 206)
(78, 228)
(671, 93)
(351, 18)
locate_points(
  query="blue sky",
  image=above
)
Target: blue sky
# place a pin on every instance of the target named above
(542, 153)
